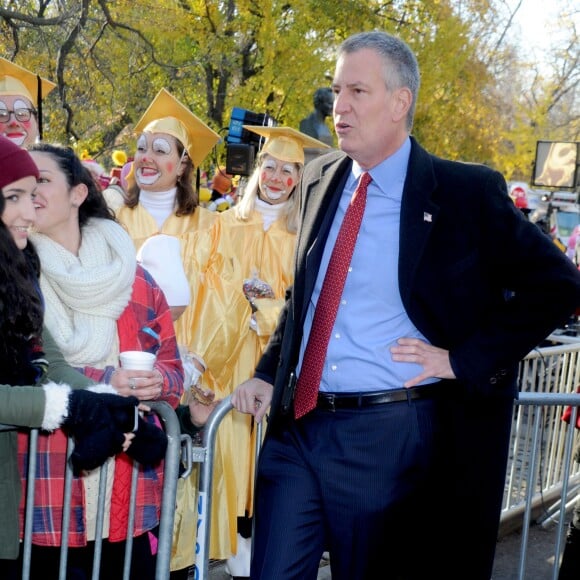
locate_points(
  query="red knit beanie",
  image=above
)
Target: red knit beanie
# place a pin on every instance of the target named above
(15, 163)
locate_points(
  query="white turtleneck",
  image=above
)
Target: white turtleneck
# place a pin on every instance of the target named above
(270, 212)
(160, 204)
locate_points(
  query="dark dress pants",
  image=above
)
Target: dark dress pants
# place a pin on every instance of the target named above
(478, 437)
(361, 483)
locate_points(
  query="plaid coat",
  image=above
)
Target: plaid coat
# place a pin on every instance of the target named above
(145, 324)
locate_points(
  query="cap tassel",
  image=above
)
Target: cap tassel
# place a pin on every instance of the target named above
(39, 108)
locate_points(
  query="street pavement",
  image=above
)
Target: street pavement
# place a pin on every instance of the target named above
(539, 558)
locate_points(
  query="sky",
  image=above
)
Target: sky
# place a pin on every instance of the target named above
(536, 19)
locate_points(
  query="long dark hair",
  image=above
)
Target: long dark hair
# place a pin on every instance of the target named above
(21, 309)
(76, 173)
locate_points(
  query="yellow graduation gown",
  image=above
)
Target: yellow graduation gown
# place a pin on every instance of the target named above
(213, 326)
(269, 256)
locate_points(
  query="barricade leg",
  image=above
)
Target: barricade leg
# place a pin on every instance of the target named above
(167, 508)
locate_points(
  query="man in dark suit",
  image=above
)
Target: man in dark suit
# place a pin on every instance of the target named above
(396, 463)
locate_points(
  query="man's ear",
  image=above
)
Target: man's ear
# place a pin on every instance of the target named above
(403, 99)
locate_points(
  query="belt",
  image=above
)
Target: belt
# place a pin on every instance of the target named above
(332, 401)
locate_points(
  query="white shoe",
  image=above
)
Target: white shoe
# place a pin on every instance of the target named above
(239, 565)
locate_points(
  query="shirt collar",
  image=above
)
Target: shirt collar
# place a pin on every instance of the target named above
(389, 175)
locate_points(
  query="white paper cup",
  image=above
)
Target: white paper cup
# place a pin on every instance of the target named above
(137, 360)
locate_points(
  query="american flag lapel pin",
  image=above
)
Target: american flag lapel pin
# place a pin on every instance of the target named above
(427, 217)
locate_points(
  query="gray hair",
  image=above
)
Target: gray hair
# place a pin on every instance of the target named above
(400, 64)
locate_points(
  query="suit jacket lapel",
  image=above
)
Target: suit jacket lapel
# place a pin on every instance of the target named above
(418, 215)
(320, 201)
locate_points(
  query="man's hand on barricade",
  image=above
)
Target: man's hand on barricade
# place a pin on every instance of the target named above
(254, 397)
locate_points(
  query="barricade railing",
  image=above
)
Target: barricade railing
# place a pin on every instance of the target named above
(545, 371)
(540, 467)
(541, 474)
(541, 409)
(205, 454)
(171, 473)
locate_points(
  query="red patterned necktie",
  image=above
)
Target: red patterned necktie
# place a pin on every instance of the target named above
(327, 305)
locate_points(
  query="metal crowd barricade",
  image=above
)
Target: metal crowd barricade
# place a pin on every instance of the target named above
(544, 371)
(542, 479)
(170, 476)
(205, 455)
(539, 407)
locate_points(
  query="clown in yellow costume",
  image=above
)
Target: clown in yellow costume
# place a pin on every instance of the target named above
(258, 237)
(21, 96)
(212, 316)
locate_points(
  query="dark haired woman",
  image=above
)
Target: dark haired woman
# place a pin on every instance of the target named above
(98, 302)
(26, 359)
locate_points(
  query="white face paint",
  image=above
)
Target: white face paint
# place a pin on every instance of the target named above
(156, 162)
(277, 180)
(21, 133)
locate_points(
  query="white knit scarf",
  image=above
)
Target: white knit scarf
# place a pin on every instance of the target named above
(86, 294)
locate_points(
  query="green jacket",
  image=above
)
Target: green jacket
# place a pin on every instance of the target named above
(24, 407)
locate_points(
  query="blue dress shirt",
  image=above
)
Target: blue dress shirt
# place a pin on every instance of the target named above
(371, 316)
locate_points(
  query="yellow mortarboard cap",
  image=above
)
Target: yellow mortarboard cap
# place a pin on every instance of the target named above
(285, 143)
(167, 115)
(15, 80)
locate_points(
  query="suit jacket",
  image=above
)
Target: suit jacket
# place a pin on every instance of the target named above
(475, 277)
